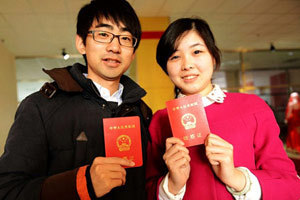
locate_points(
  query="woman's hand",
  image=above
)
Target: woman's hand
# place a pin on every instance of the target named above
(220, 155)
(177, 160)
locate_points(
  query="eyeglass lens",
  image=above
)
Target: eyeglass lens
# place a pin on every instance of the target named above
(107, 37)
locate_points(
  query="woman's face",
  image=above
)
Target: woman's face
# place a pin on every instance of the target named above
(191, 66)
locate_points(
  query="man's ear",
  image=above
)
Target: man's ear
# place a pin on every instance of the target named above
(80, 45)
(133, 56)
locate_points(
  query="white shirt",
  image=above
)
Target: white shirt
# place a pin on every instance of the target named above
(215, 96)
(105, 93)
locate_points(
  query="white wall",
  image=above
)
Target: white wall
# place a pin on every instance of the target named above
(8, 93)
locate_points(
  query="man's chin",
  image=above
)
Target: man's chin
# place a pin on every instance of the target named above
(113, 78)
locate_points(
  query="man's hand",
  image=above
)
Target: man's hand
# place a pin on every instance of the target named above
(177, 160)
(108, 173)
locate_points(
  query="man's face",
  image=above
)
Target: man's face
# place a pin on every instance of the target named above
(107, 61)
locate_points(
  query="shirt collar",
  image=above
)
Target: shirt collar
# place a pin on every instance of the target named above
(105, 93)
(216, 95)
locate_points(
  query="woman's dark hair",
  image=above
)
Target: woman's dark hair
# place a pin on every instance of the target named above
(119, 11)
(166, 46)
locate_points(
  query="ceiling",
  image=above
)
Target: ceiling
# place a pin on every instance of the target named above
(32, 28)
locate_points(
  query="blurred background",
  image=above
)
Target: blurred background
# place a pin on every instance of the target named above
(259, 40)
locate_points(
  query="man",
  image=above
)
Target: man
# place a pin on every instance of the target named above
(55, 148)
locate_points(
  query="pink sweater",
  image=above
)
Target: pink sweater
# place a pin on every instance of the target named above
(249, 125)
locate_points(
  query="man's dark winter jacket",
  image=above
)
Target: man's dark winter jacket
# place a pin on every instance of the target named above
(46, 144)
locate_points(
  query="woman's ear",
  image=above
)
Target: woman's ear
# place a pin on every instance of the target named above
(80, 46)
(214, 64)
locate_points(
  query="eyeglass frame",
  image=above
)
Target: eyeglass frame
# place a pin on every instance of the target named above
(114, 35)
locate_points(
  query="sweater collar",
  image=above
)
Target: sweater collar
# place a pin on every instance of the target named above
(216, 95)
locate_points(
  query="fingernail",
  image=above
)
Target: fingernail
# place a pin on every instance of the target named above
(132, 163)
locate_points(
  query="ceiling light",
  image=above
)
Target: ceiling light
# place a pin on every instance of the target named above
(272, 47)
(65, 55)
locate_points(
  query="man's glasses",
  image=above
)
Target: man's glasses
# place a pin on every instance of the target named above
(107, 37)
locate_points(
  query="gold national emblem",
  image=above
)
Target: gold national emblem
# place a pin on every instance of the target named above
(123, 143)
(188, 120)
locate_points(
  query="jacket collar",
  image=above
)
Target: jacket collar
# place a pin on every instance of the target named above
(71, 79)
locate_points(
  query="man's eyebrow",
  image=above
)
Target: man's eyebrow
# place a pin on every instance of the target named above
(123, 29)
(104, 25)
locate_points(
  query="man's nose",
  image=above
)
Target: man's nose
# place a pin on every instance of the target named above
(114, 45)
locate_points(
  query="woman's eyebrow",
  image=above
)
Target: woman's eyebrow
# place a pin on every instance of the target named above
(197, 44)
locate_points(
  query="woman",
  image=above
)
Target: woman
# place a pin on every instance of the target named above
(243, 156)
(292, 118)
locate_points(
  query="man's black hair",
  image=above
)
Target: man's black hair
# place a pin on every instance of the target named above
(118, 11)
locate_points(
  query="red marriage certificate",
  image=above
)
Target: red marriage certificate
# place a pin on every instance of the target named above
(188, 119)
(122, 137)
